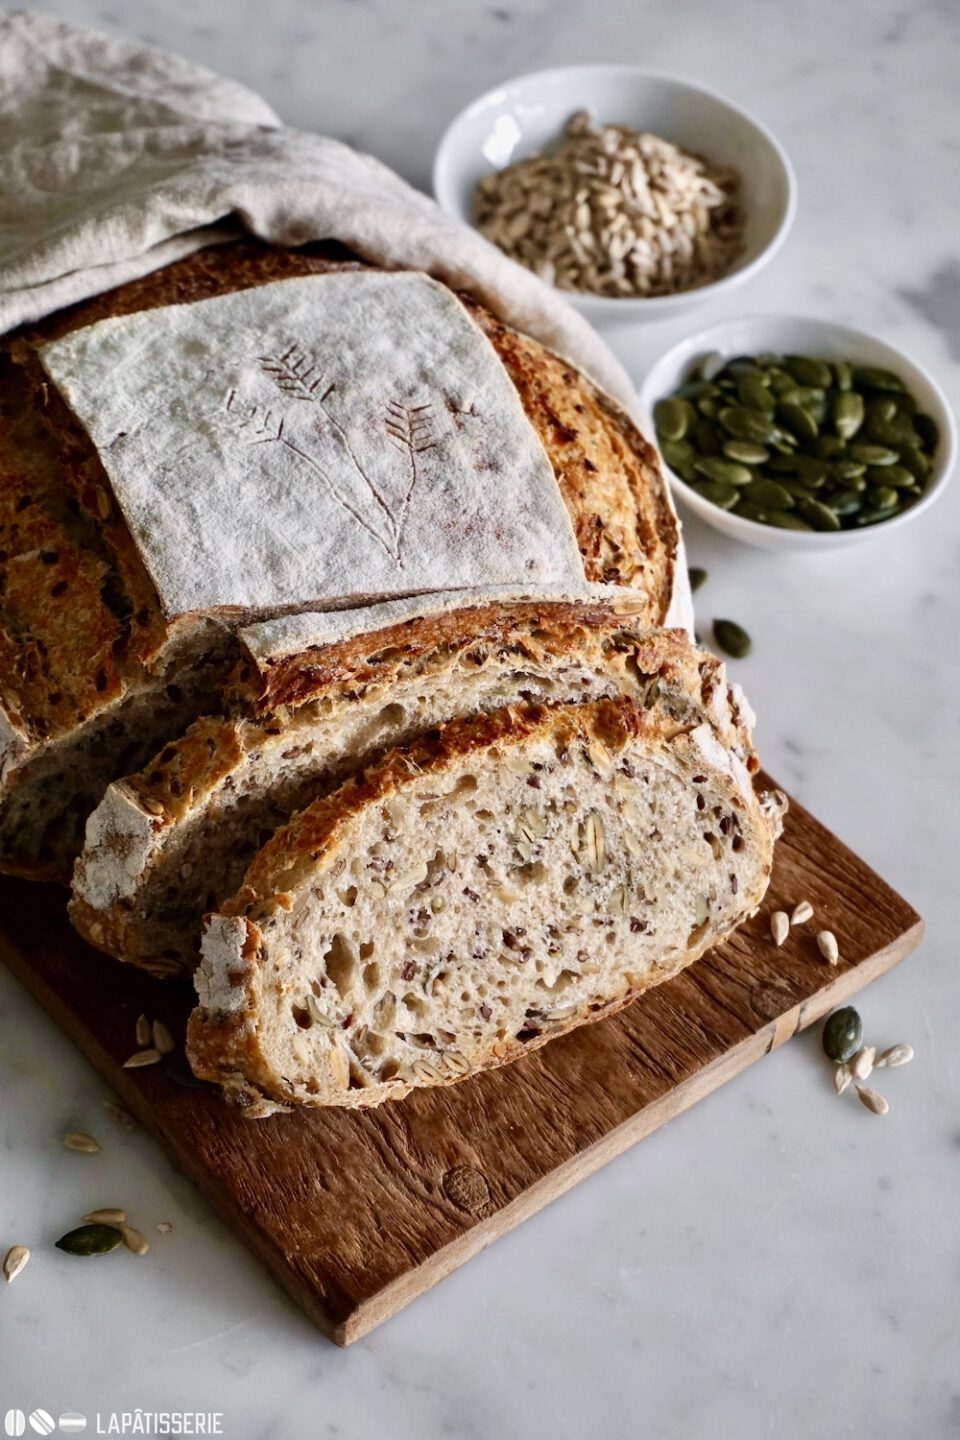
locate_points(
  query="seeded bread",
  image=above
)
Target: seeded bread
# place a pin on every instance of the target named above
(93, 678)
(173, 841)
(497, 882)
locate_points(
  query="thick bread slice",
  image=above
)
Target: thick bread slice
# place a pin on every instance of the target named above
(494, 884)
(173, 841)
(88, 662)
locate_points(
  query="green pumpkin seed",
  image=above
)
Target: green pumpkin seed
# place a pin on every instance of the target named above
(928, 430)
(896, 475)
(90, 1240)
(697, 577)
(917, 463)
(779, 381)
(724, 472)
(873, 454)
(843, 375)
(848, 414)
(905, 403)
(696, 389)
(847, 469)
(711, 365)
(784, 464)
(883, 409)
(748, 511)
(787, 520)
(726, 496)
(829, 447)
(745, 424)
(818, 515)
(746, 452)
(797, 420)
(882, 497)
(710, 407)
(842, 1035)
(753, 394)
(807, 371)
(705, 438)
(896, 434)
(873, 516)
(843, 502)
(673, 418)
(870, 377)
(770, 495)
(732, 638)
(677, 453)
(811, 471)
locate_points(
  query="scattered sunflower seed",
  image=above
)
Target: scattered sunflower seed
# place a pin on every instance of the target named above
(90, 1240)
(841, 1078)
(162, 1039)
(134, 1240)
(801, 913)
(779, 926)
(872, 1099)
(828, 947)
(141, 1058)
(862, 1063)
(79, 1140)
(106, 1216)
(143, 1031)
(14, 1261)
(895, 1055)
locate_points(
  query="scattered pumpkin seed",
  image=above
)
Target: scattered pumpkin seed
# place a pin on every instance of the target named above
(90, 1240)
(842, 1035)
(732, 638)
(697, 577)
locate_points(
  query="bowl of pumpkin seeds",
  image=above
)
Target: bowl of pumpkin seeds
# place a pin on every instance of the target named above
(794, 433)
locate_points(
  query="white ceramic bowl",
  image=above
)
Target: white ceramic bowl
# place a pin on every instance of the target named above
(526, 113)
(801, 335)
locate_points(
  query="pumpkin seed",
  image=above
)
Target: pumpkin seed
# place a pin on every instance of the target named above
(90, 1240)
(746, 452)
(745, 424)
(847, 469)
(843, 374)
(787, 520)
(747, 511)
(873, 454)
(725, 472)
(883, 497)
(753, 394)
(677, 453)
(726, 496)
(882, 410)
(842, 1035)
(695, 389)
(811, 471)
(848, 414)
(673, 418)
(818, 515)
(928, 430)
(709, 407)
(732, 638)
(896, 475)
(711, 365)
(871, 515)
(797, 420)
(697, 578)
(843, 502)
(917, 463)
(829, 447)
(705, 438)
(807, 371)
(873, 378)
(770, 495)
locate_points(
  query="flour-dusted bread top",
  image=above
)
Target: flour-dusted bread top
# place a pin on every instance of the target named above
(342, 436)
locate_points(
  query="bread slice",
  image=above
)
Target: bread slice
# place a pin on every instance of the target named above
(501, 880)
(173, 841)
(93, 677)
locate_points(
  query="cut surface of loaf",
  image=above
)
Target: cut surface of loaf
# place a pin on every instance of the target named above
(497, 882)
(173, 841)
(88, 662)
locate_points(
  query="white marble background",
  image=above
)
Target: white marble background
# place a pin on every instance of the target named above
(775, 1263)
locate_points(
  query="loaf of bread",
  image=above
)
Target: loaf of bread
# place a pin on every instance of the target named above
(173, 841)
(501, 879)
(95, 674)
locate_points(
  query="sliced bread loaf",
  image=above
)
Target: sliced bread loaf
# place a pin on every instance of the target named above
(497, 882)
(174, 840)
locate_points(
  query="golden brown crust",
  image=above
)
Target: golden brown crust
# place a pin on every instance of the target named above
(71, 641)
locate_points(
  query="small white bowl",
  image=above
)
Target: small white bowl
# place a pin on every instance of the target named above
(801, 335)
(527, 113)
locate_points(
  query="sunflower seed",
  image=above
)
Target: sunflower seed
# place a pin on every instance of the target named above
(872, 1099)
(162, 1039)
(862, 1062)
(801, 913)
(594, 843)
(143, 1031)
(895, 1055)
(141, 1058)
(841, 1078)
(14, 1261)
(164, 1226)
(828, 947)
(79, 1140)
(105, 1217)
(134, 1240)
(779, 926)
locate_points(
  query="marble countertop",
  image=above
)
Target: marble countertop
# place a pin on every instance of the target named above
(774, 1263)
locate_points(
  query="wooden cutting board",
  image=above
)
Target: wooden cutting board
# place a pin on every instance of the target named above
(355, 1212)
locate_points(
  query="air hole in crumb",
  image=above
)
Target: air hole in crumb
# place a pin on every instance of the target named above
(348, 897)
(372, 976)
(341, 964)
(570, 885)
(301, 1017)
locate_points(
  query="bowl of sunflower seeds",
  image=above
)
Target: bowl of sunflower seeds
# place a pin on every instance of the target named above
(637, 195)
(795, 433)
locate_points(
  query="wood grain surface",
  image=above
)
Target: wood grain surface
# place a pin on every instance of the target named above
(357, 1212)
